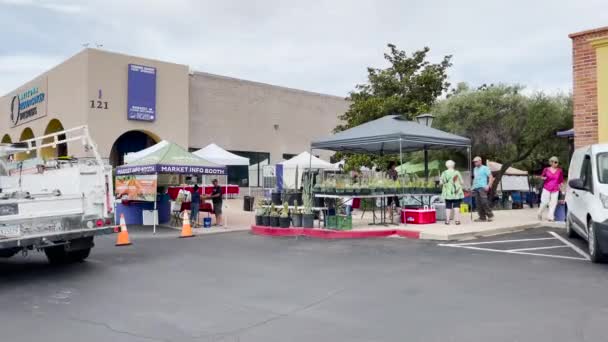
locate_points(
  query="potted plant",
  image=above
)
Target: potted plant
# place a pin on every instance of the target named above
(284, 218)
(308, 217)
(296, 218)
(266, 217)
(274, 218)
(259, 214)
(373, 188)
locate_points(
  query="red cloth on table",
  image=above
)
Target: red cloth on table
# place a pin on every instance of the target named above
(204, 207)
(232, 189)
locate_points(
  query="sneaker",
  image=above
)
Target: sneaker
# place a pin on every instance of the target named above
(480, 220)
(490, 219)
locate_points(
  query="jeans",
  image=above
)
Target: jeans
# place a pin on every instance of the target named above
(548, 199)
(483, 204)
(194, 207)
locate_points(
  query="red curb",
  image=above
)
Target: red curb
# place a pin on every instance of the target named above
(272, 231)
(348, 234)
(332, 234)
(410, 234)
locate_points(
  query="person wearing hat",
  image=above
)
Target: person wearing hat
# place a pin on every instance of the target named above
(553, 176)
(482, 183)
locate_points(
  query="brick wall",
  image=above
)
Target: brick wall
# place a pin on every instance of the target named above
(585, 86)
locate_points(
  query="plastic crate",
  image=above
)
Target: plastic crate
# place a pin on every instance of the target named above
(344, 222)
(464, 208)
(331, 222)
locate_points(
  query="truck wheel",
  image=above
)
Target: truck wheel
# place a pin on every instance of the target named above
(56, 255)
(79, 255)
(7, 253)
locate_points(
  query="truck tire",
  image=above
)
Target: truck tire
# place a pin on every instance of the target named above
(9, 252)
(56, 255)
(76, 251)
(78, 256)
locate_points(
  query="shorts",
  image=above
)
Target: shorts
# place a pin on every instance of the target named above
(217, 208)
(453, 204)
(391, 200)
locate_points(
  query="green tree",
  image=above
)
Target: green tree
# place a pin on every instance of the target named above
(505, 125)
(410, 85)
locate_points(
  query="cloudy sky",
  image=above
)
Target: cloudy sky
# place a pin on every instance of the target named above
(322, 46)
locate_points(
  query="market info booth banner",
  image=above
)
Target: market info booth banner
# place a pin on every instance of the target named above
(136, 187)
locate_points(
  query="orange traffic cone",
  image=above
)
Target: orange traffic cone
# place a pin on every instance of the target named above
(186, 227)
(123, 234)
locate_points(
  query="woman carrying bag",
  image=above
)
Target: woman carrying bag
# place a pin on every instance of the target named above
(553, 176)
(452, 192)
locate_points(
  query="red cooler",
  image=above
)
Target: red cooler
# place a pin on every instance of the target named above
(424, 215)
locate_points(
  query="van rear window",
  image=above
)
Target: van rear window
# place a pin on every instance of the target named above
(602, 167)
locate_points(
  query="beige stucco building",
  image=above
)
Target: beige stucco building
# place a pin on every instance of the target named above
(106, 91)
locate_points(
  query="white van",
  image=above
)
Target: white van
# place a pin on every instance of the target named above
(587, 199)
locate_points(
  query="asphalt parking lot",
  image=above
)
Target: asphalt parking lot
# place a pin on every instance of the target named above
(239, 287)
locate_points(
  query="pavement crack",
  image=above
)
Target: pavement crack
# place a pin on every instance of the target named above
(118, 331)
(236, 332)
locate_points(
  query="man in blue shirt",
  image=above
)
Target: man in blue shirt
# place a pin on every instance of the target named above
(482, 183)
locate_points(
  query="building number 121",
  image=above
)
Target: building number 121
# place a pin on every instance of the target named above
(99, 104)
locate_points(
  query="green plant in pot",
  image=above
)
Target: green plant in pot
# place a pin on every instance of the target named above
(266, 215)
(259, 214)
(274, 217)
(296, 218)
(308, 217)
(284, 220)
(373, 187)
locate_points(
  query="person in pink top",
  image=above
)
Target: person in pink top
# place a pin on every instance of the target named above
(553, 177)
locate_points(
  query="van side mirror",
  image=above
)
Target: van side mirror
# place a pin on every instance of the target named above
(577, 184)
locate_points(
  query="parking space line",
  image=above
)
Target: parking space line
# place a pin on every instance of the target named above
(512, 252)
(573, 246)
(536, 248)
(493, 242)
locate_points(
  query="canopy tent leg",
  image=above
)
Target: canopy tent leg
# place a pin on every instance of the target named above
(400, 153)
(470, 179)
(426, 162)
(155, 212)
(225, 223)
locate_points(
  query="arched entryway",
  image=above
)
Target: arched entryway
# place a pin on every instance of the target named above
(26, 134)
(60, 150)
(131, 141)
(6, 139)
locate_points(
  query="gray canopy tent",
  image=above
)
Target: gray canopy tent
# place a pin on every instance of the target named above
(392, 134)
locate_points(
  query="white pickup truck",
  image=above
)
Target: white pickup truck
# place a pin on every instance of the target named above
(55, 206)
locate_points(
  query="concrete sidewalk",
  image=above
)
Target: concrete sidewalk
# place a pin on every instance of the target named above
(505, 221)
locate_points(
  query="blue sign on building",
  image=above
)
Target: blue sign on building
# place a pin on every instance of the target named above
(141, 96)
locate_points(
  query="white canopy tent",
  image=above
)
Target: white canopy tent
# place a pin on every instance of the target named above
(254, 170)
(294, 167)
(218, 155)
(513, 179)
(132, 156)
